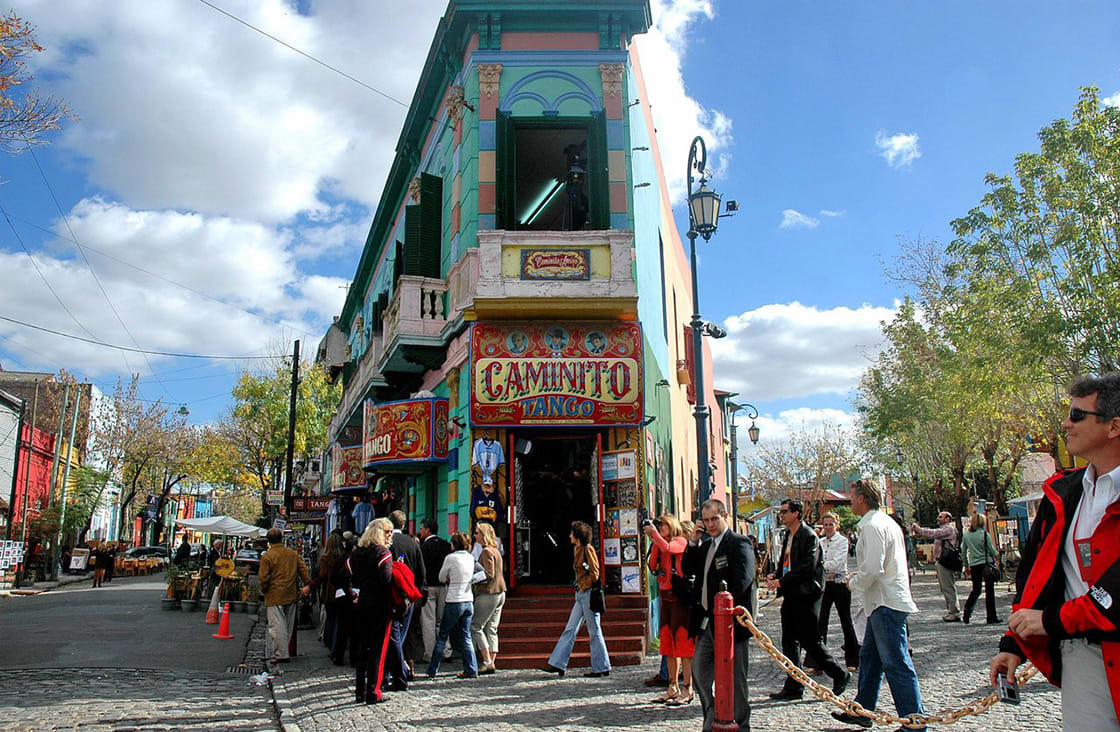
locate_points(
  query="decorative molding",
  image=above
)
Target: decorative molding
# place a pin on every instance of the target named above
(414, 190)
(489, 79)
(612, 79)
(455, 103)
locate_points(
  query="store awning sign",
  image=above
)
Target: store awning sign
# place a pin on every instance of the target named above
(346, 467)
(556, 374)
(404, 432)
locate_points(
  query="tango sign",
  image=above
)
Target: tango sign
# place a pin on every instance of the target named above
(409, 431)
(556, 374)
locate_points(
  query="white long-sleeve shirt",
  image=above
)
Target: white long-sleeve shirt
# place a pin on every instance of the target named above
(457, 571)
(881, 577)
(835, 557)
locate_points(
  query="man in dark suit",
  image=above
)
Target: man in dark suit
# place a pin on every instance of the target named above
(434, 549)
(800, 580)
(405, 549)
(722, 556)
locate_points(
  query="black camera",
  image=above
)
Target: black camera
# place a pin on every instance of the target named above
(650, 522)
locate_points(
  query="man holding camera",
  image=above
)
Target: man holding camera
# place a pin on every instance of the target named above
(945, 543)
(1066, 617)
(800, 580)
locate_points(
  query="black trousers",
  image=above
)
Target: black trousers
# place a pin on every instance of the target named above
(837, 593)
(704, 674)
(799, 632)
(989, 594)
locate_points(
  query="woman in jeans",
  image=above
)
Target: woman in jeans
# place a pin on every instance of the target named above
(458, 572)
(489, 598)
(586, 564)
(669, 543)
(979, 551)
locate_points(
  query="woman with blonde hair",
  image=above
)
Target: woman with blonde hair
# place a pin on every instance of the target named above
(665, 556)
(489, 599)
(979, 554)
(371, 572)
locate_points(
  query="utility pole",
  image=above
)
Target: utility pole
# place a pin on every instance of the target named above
(27, 483)
(66, 478)
(16, 457)
(57, 453)
(291, 429)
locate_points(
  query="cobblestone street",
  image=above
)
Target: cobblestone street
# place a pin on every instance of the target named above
(951, 659)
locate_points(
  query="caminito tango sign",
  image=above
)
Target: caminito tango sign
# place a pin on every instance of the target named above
(556, 373)
(403, 432)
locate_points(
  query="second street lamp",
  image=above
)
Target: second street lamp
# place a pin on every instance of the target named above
(703, 218)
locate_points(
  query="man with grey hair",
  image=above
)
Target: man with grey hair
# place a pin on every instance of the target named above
(1066, 615)
(882, 582)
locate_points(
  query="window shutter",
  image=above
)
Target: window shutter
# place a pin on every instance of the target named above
(599, 178)
(431, 224)
(412, 242)
(505, 173)
(690, 388)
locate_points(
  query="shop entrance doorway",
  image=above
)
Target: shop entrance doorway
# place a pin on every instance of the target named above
(555, 485)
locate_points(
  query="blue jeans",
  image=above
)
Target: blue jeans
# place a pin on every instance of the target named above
(581, 611)
(396, 648)
(456, 618)
(884, 652)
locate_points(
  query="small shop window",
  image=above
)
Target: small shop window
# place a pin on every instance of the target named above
(552, 174)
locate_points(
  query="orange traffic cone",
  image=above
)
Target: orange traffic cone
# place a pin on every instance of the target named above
(212, 612)
(223, 629)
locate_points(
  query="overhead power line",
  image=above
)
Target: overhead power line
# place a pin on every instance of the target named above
(135, 350)
(306, 55)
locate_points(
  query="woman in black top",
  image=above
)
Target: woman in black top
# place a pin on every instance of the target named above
(371, 571)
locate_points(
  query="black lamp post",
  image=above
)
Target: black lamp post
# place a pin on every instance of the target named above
(752, 433)
(703, 218)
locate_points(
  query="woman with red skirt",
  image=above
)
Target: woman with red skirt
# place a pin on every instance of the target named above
(669, 543)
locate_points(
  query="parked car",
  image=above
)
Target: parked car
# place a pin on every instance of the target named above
(248, 560)
(142, 552)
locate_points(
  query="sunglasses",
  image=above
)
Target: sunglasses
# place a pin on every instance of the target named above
(1076, 415)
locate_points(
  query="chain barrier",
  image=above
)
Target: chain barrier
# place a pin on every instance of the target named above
(824, 693)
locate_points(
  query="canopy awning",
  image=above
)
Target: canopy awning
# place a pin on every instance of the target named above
(225, 525)
(1027, 499)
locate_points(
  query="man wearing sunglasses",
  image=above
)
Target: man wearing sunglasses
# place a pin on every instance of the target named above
(1066, 617)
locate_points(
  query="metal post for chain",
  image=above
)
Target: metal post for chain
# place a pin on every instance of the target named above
(723, 637)
(913, 721)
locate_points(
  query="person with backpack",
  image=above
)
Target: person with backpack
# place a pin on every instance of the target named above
(459, 572)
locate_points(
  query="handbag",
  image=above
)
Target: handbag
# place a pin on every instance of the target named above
(950, 558)
(597, 601)
(992, 572)
(684, 588)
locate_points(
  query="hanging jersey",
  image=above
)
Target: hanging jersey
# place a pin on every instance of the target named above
(363, 514)
(487, 455)
(485, 507)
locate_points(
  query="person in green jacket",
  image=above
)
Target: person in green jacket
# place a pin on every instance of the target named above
(979, 552)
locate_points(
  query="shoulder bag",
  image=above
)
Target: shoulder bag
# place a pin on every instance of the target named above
(950, 557)
(597, 601)
(992, 571)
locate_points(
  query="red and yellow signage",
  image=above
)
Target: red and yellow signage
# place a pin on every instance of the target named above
(346, 467)
(556, 373)
(409, 431)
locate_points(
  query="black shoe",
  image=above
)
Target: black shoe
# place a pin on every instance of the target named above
(851, 719)
(655, 681)
(840, 684)
(596, 674)
(548, 668)
(994, 620)
(786, 695)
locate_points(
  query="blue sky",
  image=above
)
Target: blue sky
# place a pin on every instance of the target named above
(217, 159)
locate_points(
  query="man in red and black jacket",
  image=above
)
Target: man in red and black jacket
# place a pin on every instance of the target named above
(1066, 617)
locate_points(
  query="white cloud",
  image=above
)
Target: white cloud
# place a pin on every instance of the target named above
(899, 150)
(777, 429)
(184, 108)
(1112, 101)
(792, 219)
(831, 214)
(247, 265)
(677, 116)
(786, 351)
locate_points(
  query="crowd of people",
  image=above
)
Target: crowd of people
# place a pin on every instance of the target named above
(1064, 619)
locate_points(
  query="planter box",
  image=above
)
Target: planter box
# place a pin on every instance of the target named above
(189, 606)
(237, 606)
(169, 603)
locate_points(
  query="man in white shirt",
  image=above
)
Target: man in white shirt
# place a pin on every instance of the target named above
(1066, 615)
(882, 580)
(836, 592)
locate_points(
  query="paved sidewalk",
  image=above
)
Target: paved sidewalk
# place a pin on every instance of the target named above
(313, 694)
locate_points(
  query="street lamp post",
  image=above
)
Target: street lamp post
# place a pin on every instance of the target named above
(703, 218)
(752, 433)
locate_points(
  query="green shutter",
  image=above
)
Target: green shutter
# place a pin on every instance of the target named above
(505, 173)
(431, 224)
(600, 193)
(412, 240)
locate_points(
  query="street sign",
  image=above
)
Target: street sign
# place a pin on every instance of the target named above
(279, 523)
(275, 498)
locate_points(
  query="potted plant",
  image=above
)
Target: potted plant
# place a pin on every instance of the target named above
(176, 585)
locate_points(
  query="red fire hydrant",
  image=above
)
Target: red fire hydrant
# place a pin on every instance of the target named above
(724, 636)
